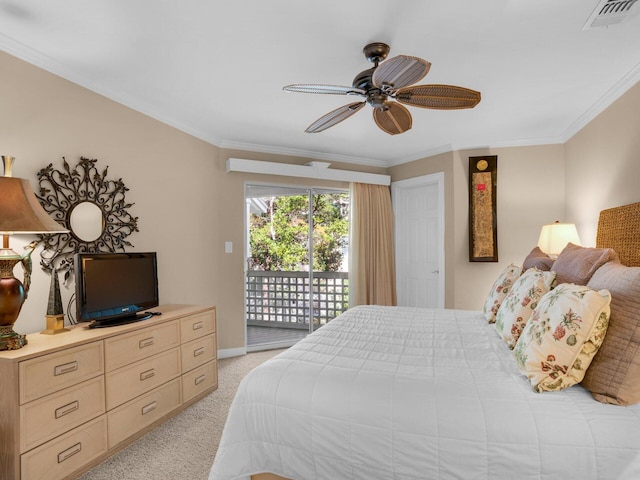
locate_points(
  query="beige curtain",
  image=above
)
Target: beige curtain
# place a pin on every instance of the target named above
(372, 278)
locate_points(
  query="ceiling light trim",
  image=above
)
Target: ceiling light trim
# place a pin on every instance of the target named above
(314, 170)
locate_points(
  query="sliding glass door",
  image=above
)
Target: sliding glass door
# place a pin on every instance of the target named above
(294, 285)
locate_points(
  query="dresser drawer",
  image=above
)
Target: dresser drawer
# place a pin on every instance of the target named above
(128, 348)
(48, 417)
(50, 373)
(66, 454)
(131, 417)
(196, 326)
(132, 380)
(198, 352)
(198, 380)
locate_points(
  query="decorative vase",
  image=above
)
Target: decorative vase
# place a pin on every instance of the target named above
(12, 296)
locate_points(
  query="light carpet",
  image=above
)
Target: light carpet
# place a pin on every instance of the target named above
(183, 448)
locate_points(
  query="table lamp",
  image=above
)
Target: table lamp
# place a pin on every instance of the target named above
(555, 236)
(20, 213)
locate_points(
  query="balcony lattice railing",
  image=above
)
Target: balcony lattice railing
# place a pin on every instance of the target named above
(284, 299)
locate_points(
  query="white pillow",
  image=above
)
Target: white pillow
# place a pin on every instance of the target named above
(562, 336)
(499, 291)
(518, 305)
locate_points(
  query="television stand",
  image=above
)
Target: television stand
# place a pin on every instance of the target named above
(113, 322)
(70, 401)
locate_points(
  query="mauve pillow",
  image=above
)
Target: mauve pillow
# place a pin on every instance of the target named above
(577, 264)
(538, 259)
(614, 374)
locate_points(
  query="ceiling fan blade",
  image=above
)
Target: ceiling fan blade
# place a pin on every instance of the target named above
(334, 117)
(400, 71)
(393, 119)
(318, 88)
(441, 97)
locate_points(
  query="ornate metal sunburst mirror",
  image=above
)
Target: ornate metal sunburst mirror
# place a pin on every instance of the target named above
(93, 209)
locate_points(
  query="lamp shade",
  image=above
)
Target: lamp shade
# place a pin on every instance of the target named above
(20, 211)
(555, 236)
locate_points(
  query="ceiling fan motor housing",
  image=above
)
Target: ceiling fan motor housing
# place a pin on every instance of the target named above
(364, 81)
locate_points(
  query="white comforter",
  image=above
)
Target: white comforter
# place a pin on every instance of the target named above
(406, 394)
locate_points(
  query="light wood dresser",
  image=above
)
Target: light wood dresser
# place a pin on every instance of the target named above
(69, 401)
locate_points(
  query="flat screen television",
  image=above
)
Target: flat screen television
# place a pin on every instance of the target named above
(115, 288)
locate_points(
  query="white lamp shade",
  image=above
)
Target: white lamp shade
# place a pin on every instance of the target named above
(555, 236)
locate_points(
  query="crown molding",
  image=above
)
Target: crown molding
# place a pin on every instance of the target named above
(613, 94)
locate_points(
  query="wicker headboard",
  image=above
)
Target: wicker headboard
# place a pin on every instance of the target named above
(619, 228)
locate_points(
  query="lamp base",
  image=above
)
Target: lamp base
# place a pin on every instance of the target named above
(10, 340)
(55, 325)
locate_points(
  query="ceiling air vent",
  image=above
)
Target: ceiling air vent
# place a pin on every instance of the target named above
(609, 12)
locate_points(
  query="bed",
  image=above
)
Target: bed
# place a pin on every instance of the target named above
(406, 393)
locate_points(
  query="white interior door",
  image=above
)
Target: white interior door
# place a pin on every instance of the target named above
(418, 206)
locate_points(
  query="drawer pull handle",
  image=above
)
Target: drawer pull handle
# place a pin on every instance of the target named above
(65, 368)
(146, 342)
(198, 325)
(149, 408)
(67, 409)
(198, 351)
(69, 452)
(147, 374)
(200, 379)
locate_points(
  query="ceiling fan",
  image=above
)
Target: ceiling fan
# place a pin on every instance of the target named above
(384, 83)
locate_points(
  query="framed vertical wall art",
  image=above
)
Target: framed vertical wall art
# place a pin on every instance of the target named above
(483, 228)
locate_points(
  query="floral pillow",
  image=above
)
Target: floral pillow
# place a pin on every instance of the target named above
(564, 333)
(499, 291)
(518, 305)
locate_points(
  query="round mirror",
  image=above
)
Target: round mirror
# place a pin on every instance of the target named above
(92, 207)
(86, 221)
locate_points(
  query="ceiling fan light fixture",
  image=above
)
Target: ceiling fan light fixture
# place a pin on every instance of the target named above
(377, 99)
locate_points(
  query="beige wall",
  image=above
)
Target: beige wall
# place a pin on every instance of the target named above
(603, 164)
(173, 178)
(599, 167)
(530, 193)
(188, 206)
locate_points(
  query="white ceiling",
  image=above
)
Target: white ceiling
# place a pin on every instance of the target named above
(216, 69)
